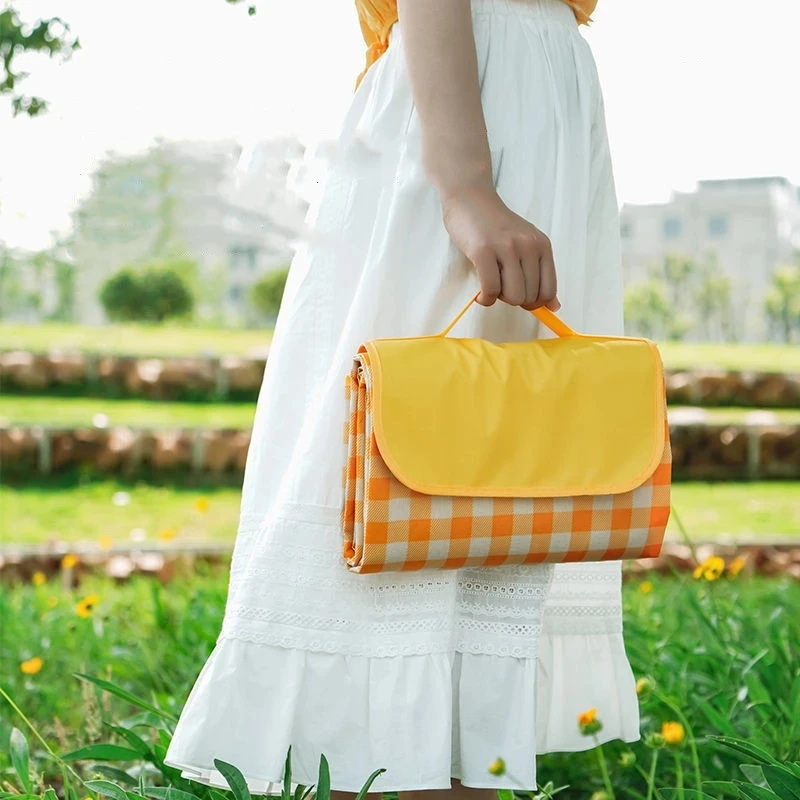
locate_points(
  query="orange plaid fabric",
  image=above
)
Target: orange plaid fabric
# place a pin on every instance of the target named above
(389, 527)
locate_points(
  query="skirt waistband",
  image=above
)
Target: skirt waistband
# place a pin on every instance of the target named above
(544, 10)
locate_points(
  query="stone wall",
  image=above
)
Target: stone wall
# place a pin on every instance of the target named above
(700, 452)
(239, 377)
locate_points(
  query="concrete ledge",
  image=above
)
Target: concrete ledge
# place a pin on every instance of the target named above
(239, 377)
(701, 451)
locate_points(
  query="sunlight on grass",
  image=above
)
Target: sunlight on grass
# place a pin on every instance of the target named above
(180, 341)
(82, 411)
(109, 508)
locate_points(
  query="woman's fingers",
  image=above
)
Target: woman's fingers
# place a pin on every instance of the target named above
(485, 262)
(548, 284)
(512, 279)
(528, 247)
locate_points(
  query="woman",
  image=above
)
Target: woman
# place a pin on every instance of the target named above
(473, 157)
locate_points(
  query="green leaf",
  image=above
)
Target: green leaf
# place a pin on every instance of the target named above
(324, 780)
(782, 782)
(136, 742)
(505, 794)
(753, 773)
(717, 719)
(234, 778)
(20, 758)
(750, 792)
(365, 788)
(741, 746)
(720, 788)
(102, 752)
(169, 793)
(287, 775)
(119, 775)
(125, 695)
(108, 788)
(50, 794)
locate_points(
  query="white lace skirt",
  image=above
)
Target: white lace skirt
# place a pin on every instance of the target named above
(432, 674)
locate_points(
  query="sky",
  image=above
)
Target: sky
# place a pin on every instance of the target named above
(693, 89)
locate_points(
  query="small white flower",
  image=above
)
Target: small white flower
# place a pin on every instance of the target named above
(121, 499)
(100, 420)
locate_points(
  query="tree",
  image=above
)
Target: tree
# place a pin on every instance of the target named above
(647, 308)
(267, 293)
(713, 299)
(154, 294)
(782, 303)
(48, 36)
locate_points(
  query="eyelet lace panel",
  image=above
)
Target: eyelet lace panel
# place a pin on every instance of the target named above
(289, 587)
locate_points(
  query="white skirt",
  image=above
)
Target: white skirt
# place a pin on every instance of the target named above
(431, 675)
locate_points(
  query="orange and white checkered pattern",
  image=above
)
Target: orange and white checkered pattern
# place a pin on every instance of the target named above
(389, 527)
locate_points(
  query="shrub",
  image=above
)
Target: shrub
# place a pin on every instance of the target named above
(152, 295)
(267, 293)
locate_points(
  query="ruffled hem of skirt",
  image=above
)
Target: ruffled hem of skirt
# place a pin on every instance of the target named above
(251, 701)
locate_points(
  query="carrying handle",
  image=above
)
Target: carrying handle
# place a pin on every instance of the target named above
(544, 315)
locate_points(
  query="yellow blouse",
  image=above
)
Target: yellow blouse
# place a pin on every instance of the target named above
(376, 17)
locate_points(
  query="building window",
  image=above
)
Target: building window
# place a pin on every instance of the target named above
(672, 228)
(718, 225)
(626, 230)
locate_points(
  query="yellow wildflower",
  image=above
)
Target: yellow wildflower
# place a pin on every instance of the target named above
(84, 608)
(52, 601)
(167, 533)
(201, 504)
(497, 767)
(32, 665)
(673, 733)
(645, 587)
(588, 722)
(710, 569)
(587, 717)
(105, 542)
(644, 686)
(736, 566)
(69, 561)
(38, 578)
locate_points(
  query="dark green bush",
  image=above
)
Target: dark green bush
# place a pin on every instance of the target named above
(152, 295)
(267, 293)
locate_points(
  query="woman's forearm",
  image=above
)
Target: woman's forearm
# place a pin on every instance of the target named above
(442, 66)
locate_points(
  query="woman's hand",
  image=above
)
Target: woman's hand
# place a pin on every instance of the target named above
(513, 258)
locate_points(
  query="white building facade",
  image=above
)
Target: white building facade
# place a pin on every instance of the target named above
(752, 225)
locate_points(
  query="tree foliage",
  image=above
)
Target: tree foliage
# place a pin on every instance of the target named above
(267, 293)
(681, 295)
(782, 303)
(50, 37)
(153, 294)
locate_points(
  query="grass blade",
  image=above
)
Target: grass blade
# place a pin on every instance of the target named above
(20, 758)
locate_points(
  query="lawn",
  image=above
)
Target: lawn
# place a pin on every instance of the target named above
(82, 411)
(719, 657)
(181, 341)
(140, 512)
(132, 339)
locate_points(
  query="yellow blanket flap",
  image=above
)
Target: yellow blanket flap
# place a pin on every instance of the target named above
(578, 415)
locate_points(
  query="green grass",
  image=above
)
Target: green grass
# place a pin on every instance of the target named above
(760, 357)
(35, 514)
(172, 340)
(722, 657)
(132, 339)
(81, 411)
